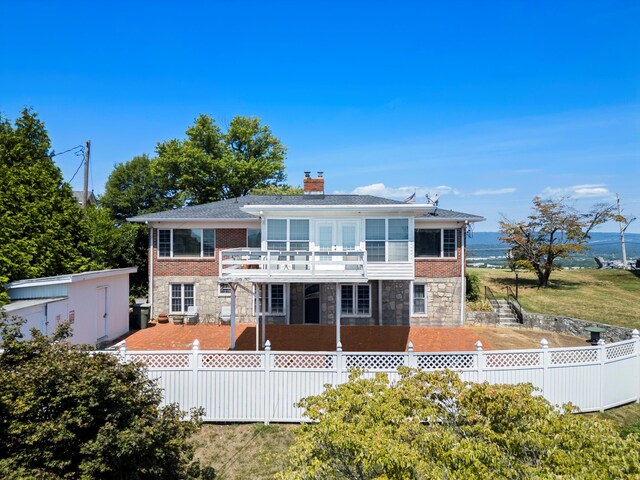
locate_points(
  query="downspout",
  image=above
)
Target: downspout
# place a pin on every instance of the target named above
(151, 258)
(463, 281)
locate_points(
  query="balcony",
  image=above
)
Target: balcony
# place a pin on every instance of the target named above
(243, 264)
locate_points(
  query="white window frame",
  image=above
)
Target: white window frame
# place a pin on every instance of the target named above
(387, 241)
(426, 302)
(287, 241)
(215, 242)
(441, 256)
(220, 292)
(354, 293)
(182, 297)
(257, 303)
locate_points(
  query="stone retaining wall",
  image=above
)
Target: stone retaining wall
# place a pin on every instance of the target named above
(553, 323)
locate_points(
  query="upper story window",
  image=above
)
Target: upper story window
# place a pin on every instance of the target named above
(435, 243)
(387, 240)
(187, 242)
(292, 234)
(254, 238)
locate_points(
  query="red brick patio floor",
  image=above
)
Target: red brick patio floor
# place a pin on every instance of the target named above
(323, 338)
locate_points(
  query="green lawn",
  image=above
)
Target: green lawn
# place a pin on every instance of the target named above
(243, 451)
(607, 296)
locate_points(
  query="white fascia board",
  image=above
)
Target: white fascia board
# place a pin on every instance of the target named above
(208, 223)
(459, 220)
(260, 210)
(71, 278)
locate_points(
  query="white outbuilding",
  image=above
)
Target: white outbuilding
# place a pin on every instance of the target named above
(96, 303)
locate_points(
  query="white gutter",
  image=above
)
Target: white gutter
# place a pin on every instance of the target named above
(463, 280)
(256, 209)
(151, 259)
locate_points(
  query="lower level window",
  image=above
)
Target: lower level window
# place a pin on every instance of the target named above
(355, 300)
(419, 298)
(224, 289)
(182, 297)
(274, 299)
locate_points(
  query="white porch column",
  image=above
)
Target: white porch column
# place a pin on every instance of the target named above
(338, 308)
(256, 289)
(379, 302)
(264, 310)
(233, 315)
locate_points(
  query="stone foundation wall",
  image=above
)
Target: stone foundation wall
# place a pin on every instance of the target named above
(443, 302)
(207, 298)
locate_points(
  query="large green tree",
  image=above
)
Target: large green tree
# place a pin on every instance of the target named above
(211, 164)
(434, 425)
(67, 414)
(553, 230)
(42, 231)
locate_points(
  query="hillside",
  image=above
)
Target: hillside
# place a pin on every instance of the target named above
(607, 296)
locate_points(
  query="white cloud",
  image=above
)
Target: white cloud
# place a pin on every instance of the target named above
(381, 190)
(497, 191)
(579, 191)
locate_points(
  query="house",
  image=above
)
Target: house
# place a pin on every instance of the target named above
(96, 303)
(79, 195)
(313, 258)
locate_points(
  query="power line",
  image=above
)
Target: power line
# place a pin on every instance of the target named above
(79, 167)
(79, 150)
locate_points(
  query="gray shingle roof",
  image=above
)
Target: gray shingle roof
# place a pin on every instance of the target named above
(450, 215)
(231, 208)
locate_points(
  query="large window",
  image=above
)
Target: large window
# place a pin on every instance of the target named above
(187, 242)
(419, 299)
(435, 243)
(285, 234)
(274, 299)
(355, 300)
(387, 240)
(182, 296)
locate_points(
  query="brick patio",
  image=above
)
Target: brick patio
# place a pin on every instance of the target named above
(322, 338)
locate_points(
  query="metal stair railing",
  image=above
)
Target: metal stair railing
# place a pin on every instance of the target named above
(491, 298)
(513, 302)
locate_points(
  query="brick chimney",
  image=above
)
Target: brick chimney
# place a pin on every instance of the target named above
(313, 185)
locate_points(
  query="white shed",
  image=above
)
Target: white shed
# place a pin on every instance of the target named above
(96, 303)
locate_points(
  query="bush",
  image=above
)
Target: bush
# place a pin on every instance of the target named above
(434, 425)
(474, 287)
(66, 413)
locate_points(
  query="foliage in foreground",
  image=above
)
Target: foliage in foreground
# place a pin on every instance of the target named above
(434, 425)
(67, 414)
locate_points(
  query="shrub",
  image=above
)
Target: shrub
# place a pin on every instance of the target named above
(474, 287)
(66, 413)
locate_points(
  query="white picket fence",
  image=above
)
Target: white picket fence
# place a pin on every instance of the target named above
(263, 386)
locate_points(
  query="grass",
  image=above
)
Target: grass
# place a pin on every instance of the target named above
(606, 296)
(242, 451)
(627, 418)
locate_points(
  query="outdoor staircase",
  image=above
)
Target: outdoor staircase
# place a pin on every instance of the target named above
(506, 315)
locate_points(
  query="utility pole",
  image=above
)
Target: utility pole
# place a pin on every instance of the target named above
(622, 220)
(85, 190)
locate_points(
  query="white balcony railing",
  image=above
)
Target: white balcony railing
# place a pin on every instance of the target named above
(291, 266)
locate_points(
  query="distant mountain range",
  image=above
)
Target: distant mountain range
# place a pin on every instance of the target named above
(484, 249)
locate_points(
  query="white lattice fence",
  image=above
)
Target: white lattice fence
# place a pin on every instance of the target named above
(263, 386)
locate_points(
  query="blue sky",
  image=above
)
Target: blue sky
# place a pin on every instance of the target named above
(487, 103)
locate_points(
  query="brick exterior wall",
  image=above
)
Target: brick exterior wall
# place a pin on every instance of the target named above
(194, 267)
